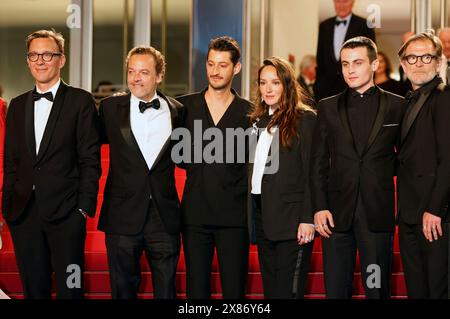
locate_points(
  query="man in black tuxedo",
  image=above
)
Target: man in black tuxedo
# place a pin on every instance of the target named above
(353, 163)
(333, 32)
(52, 167)
(215, 196)
(141, 211)
(424, 171)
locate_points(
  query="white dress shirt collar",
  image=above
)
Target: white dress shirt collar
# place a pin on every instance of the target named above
(151, 128)
(347, 18)
(136, 99)
(53, 89)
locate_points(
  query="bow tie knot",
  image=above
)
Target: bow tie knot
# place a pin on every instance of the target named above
(153, 104)
(412, 95)
(37, 96)
(338, 22)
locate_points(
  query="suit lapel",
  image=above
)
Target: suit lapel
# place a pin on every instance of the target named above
(413, 115)
(343, 115)
(174, 120)
(29, 126)
(378, 120)
(351, 27)
(331, 39)
(52, 120)
(263, 122)
(125, 128)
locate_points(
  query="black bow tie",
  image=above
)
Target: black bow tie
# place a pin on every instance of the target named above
(143, 106)
(37, 96)
(412, 95)
(338, 22)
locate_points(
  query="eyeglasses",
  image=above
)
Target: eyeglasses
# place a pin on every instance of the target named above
(426, 58)
(46, 56)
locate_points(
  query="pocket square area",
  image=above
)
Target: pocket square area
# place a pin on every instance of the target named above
(389, 125)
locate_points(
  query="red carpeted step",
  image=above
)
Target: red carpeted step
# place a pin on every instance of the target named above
(98, 282)
(97, 261)
(97, 277)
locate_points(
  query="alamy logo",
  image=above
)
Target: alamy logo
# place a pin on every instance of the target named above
(374, 279)
(74, 279)
(74, 19)
(374, 19)
(236, 146)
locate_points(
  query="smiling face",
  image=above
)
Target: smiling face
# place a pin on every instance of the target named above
(357, 69)
(220, 69)
(420, 73)
(142, 77)
(270, 86)
(46, 74)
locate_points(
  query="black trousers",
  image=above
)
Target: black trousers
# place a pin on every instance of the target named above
(124, 255)
(232, 246)
(425, 264)
(375, 255)
(284, 264)
(42, 248)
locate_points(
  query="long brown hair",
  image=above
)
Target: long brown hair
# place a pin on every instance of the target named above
(291, 106)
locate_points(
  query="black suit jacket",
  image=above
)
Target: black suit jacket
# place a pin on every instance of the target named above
(285, 195)
(216, 193)
(424, 160)
(65, 173)
(329, 79)
(339, 173)
(130, 185)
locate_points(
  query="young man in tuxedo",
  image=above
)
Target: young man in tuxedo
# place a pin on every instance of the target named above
(353, 165)
(52, 167)
(141, 211)
(215, 196)
(333, 32)
(424, 171)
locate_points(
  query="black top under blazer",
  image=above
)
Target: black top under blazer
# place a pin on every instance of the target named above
(339, 173)
(285, 195)
(131, 186)
(215, 194)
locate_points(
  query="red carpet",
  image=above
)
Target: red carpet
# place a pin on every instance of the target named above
(97, 278)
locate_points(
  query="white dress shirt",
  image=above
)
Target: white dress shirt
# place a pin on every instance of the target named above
(42, 109)
(339, 35)
(151, 128)
(261, 155)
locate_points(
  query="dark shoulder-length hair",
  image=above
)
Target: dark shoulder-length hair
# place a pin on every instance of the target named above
(291, 106)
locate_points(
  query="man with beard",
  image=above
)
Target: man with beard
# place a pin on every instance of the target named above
(215, 196)
(424, 171)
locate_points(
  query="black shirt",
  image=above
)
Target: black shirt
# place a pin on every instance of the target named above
(362, 110)
(412, 97)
